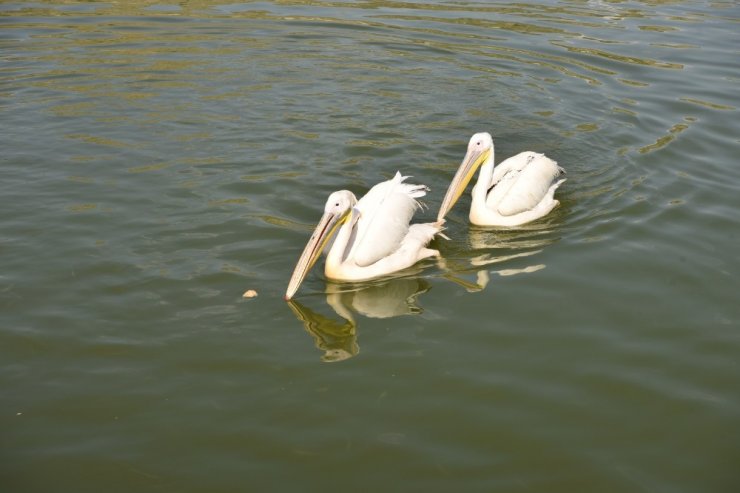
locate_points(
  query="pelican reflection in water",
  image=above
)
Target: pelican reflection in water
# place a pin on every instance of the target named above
(514, 250)
(375, 237)
(518, 190)
(338, 339)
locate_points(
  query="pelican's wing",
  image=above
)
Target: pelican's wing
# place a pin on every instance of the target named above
(385, 213)
(511, 167)
(523, 183)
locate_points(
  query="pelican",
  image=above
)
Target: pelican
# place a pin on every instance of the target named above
(519, 190)
(374, 237)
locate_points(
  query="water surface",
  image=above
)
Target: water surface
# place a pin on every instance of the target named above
(160, 158)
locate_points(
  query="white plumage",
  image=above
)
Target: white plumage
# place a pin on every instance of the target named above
(385, 216)
(518, 190)
(375, 237)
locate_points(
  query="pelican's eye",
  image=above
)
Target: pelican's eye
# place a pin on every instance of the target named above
(337, 204)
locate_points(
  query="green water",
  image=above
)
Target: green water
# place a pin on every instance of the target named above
(158, 159)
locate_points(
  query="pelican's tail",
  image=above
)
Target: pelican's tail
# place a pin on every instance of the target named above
(419, 236)
(440, 227)
(554, 186)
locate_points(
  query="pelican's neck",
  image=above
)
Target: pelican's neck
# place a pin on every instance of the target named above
(485, 175)
(341, 243)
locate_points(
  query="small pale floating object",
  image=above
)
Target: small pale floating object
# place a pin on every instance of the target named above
(249, 293)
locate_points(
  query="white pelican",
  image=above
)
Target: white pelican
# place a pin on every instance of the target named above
(375, 237)
(519, 190)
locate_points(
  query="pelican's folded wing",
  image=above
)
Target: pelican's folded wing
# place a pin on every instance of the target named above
(385, 213)
(530, 185)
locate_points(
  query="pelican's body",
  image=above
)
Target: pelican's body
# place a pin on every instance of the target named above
(375, 236)
(519, 190)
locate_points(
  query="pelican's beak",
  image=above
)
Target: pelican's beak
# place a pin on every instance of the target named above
(324, 230)
(472, 161)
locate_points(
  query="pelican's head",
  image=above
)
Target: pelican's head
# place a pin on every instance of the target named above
(340, 202)
(480, 149)
(336, 211)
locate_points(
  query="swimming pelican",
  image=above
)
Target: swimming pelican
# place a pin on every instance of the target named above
(375, 237)
(519, 190)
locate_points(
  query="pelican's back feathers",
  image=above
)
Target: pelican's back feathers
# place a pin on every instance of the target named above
(521, 182)
(385, 213)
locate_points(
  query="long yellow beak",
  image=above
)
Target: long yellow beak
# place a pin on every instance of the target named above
(324, 230)
(472, 161)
